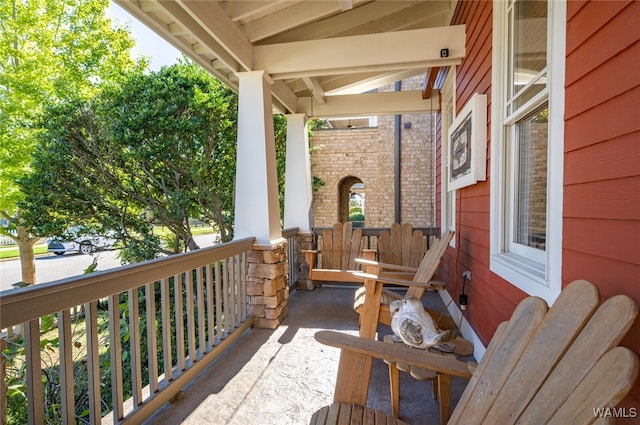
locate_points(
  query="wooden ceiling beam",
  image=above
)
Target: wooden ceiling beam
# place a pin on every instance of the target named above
(229, 37)
(358, 105)
(361, 83)
(288, 18)
(316, 89)
(403, 19)
(376, 52)
(430, 79)
(340, 23)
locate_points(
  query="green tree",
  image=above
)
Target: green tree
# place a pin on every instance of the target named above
(50, 50)
(159, 147)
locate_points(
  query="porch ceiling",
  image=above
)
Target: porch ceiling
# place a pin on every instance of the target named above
(317, 52)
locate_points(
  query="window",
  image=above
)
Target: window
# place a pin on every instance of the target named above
(448, 198)
(527, 144)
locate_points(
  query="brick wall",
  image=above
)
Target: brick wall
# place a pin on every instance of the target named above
(368, 155)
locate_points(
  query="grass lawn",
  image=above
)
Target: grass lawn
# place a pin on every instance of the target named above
(12, 251)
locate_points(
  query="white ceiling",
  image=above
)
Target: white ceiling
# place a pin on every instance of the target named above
(321, 54)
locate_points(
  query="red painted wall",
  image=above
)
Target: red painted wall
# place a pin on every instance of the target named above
(491, 299)
(601, 224)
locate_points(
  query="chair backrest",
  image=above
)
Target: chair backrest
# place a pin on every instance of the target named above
(402, 245)
(429, 264)
(558, 365)
(340, 246)
(554, 366)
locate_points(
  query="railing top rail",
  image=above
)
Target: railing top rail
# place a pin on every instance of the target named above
(375, 231)
(24, 304)
(290, 232)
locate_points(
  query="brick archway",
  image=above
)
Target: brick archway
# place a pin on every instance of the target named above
(344, 191)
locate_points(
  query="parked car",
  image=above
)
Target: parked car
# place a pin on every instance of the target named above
(84, 244)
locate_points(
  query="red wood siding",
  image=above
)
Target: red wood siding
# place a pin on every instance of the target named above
(491, 299)
(601, 227)
(601, 201)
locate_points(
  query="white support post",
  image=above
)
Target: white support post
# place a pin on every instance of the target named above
(297, 192)
(257, 212)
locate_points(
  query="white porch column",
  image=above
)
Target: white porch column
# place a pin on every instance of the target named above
(297, 192)
(257, 212)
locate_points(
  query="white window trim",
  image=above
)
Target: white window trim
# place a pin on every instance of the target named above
(447, 218)
(547, 284)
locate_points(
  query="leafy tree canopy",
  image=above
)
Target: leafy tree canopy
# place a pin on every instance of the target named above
(49, 50)
(159, 147)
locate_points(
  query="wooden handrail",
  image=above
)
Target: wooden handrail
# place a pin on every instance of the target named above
(32, 302)
(195, 302)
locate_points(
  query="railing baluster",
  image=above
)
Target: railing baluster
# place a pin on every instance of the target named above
(66, 368)
(177, 288)
(202, 333)
(210, 307)
(191, 332)
(218, 295)
(225, 294)
(134, 346)
(152, 348)
(115, 351)
(165, 299)
(233, 282)
(35, 399)
(93, 361)
(219, 299)
(243, 286)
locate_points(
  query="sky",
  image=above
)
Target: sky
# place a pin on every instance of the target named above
(148, 43)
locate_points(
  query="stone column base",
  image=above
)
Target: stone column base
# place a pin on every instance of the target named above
(267, 285)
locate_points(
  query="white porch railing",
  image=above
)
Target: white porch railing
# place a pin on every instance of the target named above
(165, 320)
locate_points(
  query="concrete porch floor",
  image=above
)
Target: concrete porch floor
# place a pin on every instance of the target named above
(282, 376)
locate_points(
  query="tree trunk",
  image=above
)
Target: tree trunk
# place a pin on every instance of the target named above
(27, 257)
(192, 244)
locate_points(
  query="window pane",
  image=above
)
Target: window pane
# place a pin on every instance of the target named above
(531, 179)
(529, 50)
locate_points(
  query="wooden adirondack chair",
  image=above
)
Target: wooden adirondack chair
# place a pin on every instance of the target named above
(375, 275)
(402, 245)
(339, 248)
(545, 365)
(379, 300)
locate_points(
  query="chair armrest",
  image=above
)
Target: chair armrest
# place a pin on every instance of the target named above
(395, 353)
(388, 266)
(310, 258)
(402, 282)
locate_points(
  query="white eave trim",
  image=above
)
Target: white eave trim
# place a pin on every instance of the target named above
(360, 53)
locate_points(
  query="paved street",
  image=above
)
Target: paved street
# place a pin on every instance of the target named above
(50, 267)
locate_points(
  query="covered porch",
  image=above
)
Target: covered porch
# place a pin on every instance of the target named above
(317, 59)
(178, 340)
(283, 376)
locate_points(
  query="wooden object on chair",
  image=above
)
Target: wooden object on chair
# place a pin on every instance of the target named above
(422, 280)
(545, 365)
(339, 247)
